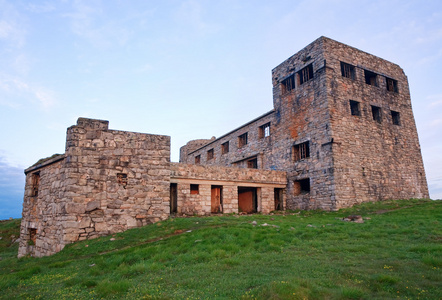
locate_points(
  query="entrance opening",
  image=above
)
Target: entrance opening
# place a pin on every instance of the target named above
(278, 199)
(32, 236)
(247, 200)
(173, 198)
(216, 199)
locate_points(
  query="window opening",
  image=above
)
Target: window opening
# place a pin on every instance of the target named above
(391, 85)
(288, 84)
(194, 189)
(210, 154)
(301, 151)
(301, 186)
(348, 70)
(242, 140)
(355, 108)
(264, 130)
(395, 118)
(197, 159)
(376, 113)
(252, 163)
(225, 148)
(371, 78)
(305, 74)
(35, 184)
(122, 179)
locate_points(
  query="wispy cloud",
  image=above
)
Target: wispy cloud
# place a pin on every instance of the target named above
(14, 88)
(91, 23)
(40, 7)
(12, 182)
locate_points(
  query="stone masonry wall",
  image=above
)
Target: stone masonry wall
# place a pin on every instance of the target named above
(229, 179)
(110, 181)
(373, 159)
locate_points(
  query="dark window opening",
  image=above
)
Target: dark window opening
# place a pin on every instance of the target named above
(35, 184)
(301, 186)
(370, 78)
(197, 159)
(391, 85)
(305, 74)
(210, 154)
(301, 151)
(376, 113)
(122, 179)
(242, 140)
(355, 108)
(252, 163)
(194, 189)
(395, 118)
(225, 148)
(348, 70)
(264, 130)
(288, 84)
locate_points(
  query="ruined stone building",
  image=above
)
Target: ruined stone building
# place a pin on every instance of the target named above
(341, 132)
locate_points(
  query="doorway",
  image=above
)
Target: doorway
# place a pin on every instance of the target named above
(216, 199)
(247, 200)
(173, 198)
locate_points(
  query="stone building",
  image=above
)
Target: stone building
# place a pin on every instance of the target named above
(342, 128)
(341, 132)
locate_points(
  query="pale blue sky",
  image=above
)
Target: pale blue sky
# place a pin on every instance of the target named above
(189, 69)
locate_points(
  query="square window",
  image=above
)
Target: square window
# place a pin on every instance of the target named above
(371, 78)
(252, 163)
(355, 108)
(395, 118)
(210, 154)
(225, 148)
(300, 151)
(376, 113)
(242, 140)
(197, 159)
(194, 189)
(264, 130)
(305, 74)
(391, 85)
(288, 84)
(301, 186)
(348, 70)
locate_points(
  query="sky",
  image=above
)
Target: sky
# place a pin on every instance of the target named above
(189, 69)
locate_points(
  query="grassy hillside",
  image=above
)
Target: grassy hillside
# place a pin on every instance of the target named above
(395, 253)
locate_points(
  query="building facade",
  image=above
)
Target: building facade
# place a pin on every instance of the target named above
(342, 128)
(341, 132)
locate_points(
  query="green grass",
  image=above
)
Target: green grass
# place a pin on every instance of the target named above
(301, 255)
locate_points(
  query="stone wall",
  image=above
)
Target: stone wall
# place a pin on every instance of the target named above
(205, 178)
(107, 182)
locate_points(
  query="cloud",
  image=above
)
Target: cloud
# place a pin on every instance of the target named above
(15, 88)
(40, 8)
(90, 23)
(12, 26)
(12, 182)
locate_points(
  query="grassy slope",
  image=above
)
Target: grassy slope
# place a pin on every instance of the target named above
(306, 255)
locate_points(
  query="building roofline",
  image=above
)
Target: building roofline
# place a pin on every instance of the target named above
(236, 129)
(45, 162)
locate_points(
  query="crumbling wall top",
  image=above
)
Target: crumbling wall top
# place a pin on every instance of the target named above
(93, 124)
